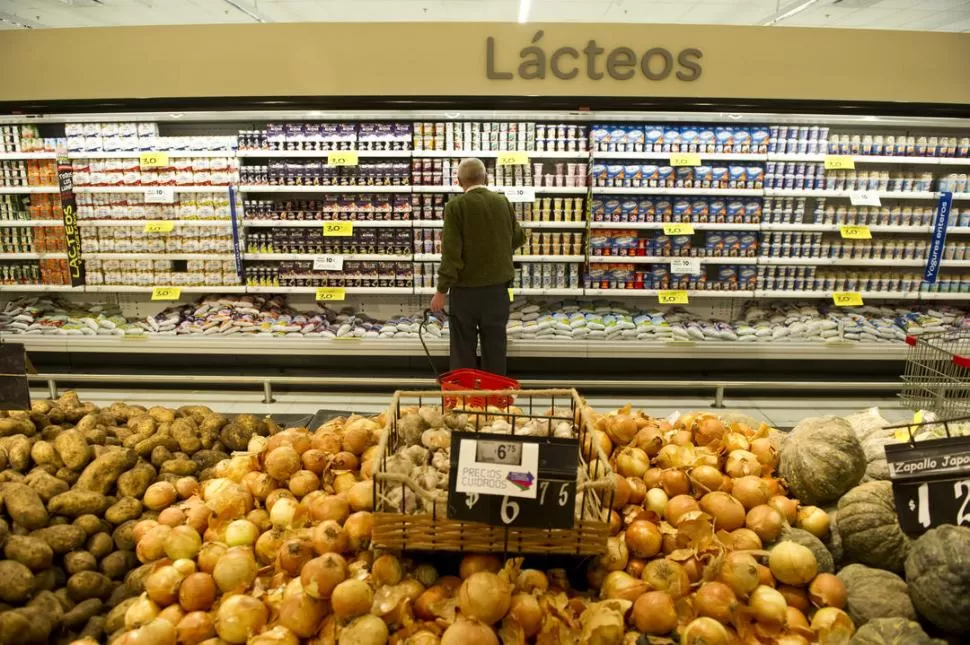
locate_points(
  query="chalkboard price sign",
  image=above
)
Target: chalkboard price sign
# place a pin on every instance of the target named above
(931, 482)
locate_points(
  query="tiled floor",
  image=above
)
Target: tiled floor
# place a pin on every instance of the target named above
(779, 412)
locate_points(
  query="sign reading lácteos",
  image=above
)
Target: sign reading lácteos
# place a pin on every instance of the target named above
(564, 63)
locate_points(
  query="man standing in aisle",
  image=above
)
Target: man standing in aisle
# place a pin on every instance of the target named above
(480, 234)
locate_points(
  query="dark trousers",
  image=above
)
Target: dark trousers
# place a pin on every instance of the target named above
(479, 312)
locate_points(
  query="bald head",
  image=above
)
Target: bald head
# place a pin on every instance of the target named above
(471, 173)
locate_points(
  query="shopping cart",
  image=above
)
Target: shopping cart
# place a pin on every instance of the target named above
(937, 375)
(468, 379)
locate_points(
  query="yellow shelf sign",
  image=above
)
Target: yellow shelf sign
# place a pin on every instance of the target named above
(855, 232)
(331, 294)
(166, 293)
(159, 227)
(511, 295)
(685, 159)
(342, 158)
(153, 159)
(683, 228)
(672, 297)
(847, 299)
(513, 158)
(338, 229)
(839, 162)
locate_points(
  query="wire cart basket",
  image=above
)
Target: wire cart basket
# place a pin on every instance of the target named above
(411, 515)
(937, 374)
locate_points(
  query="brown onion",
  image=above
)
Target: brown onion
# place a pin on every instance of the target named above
(141, 528)
(282, 463)
(678, 507)
(195, 627)
(329, 507)
(787, 507)
(735, 441)
(315, 460)
(654, 613)
(387, 570)
(649, 440)
(708, 430)
(357, 439)
(675, 482)
(288, 514)
(300, 613)
(638, 490)
(705, 631)
(656, 501)
(198, 517)
(792, 563)
(197, 592)
(303, 482)
(652, 477)
(159, 495)
(795, 597)
(151, 546)
(766, 453)
(162, 585)
(358, 527)
(268, 545)
(428, 604)
(716, 600)
(361, 496)
(527, 613)
(475, 562)
(833, 623)
(622, 586)
(239, 618)
(186, 487)
(173, 614)
(632, 462)
(741, 463)
(814, 520)
(260, 485)
(751, 491)
(173, 516)
(235, 570)
(344, 460)
(827, 590)
(327, 441)
(329, 537)
(209, 555)
(764, 576)
(769, 606)
(293, 554)
(351, 598)
(616, 555)
(643, 539)
(466, 632)
(706, 479)
(666, 575)
(241, 533)
(621, 491)
(740, 572)
(795, 618)
(531, 581)
(321, 575)
(745, 540)
(485, 596)
(728, 513)
(597, 441)
(765, 521)
(621, 429)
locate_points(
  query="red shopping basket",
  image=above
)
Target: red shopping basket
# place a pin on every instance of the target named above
(471, 379)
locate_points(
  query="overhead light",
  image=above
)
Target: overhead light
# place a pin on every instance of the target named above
(788, 14)
(524, 6)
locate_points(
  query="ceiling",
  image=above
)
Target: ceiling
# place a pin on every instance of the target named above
(935, 15)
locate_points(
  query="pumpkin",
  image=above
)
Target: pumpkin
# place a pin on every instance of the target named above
(869, 528)
(892, 631)
(821, 460)
(806, 539)
(870, 429)
(938, 570)
(833, 541)
(874, 593)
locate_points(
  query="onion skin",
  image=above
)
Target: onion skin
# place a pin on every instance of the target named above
(353, 598)
(652, 477)
(469, 632)
(632, 462)
(706, 479)
(705, 631)
(620, 585)
(678, 507)
(195, 627)
(745, 540)
(675, 482)
(751, 491)
(476, 562)
(643, 539)
(833, 620)
(792, 563)
(197, 592)
(740, 572)
(827, 590)
(329, 537)
(239, 618)
(302, 614)
(716, 600)
(765, 521)
(527, 613)
(728, 513)
(787, 507)
(485, 597)
(321, 575)
(666, 575)
(654, 613)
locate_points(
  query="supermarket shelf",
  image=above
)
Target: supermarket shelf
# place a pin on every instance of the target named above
(324, 189)
(548, 258)
(656, 259)
(123, 288)
(33, 256)
(320, 154)
(316, 223)
(723, 192)
(883, 194)
(852, 262)
(348, 257)
(875, 159)
(548, 190)
(135, 154)
(143, 189)
(521, 291)
(15, 156)
(141, 222)
(939, 295)
(637, 293)
(824, 228)
(712, 156)
(26, 190)
(489, 154)
(39, 287)
(19, 223)
(429, 223)
(154, 255)
(374, 291)
(698, 226)
(827, 295)
(556, 225)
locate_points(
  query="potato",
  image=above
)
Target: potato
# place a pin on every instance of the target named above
(136, 481)
(98, 437)
(18, 452)
(135, 580)
(50, 432)
(10, 475)
(47, 601)
(117, 564)
(31, 552)
(78, 502)
(180, 467)
(46, 485)
(67, 475)
(4, 531)
(145, 447)
(90, 523)
(18, 582)
(69, 399)
(24, 505)
(4, 461)
(235, 436)
(62, 539)
(81, 613)
(115, 619)
(58, 520)
(42, 452)
(126, 508)
(77, 561)
(122, 536)
(142, 424)
(66, 603)
(101, 474)
(41, 407)
(187, 434)
(93, 630)
(88, 584)
(160, 455)
(100, 545)
(45, 580)
(73, 449)
(120, 594)
(24, 626)
(9, 427)
(162, 415)
(208, 458)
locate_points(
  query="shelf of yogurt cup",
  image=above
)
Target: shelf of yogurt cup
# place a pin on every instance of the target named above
(267, 188)
(34, 256)
(874, 159)
(26, 156)
(865, 262)
(136, 154)
(350, 291)
(22, 223)
(548, 190)
(667, 259)
(724, 192)
(25, 190)
(707, 293)
(666, 156)
(141, 222)
(882, 194)
(317, 223)
(697, 226)
(827, 295)
(491, 154)
(157, 255)
(348, 257)
(321, 154)
(145, 189)
(436, 257)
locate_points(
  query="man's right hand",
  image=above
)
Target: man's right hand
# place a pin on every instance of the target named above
(438, 303)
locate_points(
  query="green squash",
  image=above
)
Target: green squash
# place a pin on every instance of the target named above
(821, 460)
(938, 571)
(874, 593)
(869, 528)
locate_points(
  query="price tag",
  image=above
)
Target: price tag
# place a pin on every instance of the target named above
(685, 159)
(331, 294)
(159, 227)
(159, 195)
(689, 266)
(511, 295)
(520, 194)
(931, 482)
(855, 232)
(153, 160)
(513, 158)
(328, 263)
(839, 162)
(166, 293)
(338, 229)
(512, 480)
(681, 228)
(847, 299)
(678, 297)
(864, 198)
(135, 337)
(342, 158)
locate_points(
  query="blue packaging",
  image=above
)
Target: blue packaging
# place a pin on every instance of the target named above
(684, 177)
(714, 243)
(680, 245)
(646, 210)
(703, 176)
(654, 136)
(597, 209)
(725, 139)
(706, 139)
(664, 209)
(665, 176)
(690, 140)
(672, 140)
(612, 210)
(682, 210)
(628, 211)
(600, 137)
(747, 277)
(614, 175)
(718, 210)
(727, 274)
(598, 242)
(735, 210)
(651, 175)
(699, 210)
(737, 177)
(636, 139)
(600, 175)
(756, 177)
(742, 141)
(752, 210)
(719, 177)
(618, 139)
(633, 176)
(760, 137)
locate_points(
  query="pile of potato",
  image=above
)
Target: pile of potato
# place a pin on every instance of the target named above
(74, 481)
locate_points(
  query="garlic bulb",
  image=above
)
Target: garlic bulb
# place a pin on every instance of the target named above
(436, 439)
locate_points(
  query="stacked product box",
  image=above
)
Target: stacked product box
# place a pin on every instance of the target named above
(351, 207)
(703, 138)
(151, 272)
(132, 206)
(663, 176)
(318, 173)
(494, 136)
(180, 171)
(386, 241)
(659, 209)
(321, 136)
(354, 274)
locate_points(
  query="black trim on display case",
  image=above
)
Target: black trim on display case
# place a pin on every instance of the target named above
(570, 103)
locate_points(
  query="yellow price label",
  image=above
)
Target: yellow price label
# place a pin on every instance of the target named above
(685, 159)
(166, 293)
(153, 159)
(855, 232)
(331, 294)
(513, 158)
(342, 158)
(672, 297)
(511, 295)
(338, 229)
(159, 227)
(839, 162)
(346, 337)
(684, 228)
(135, 337)
(847, 299)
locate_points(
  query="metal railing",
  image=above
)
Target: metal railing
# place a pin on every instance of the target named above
(718, 387)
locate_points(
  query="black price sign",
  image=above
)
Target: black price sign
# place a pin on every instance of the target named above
(931, 482)
(72, 232)
(14, 392)
(513, 481)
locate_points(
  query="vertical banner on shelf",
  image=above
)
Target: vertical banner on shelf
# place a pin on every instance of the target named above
(235, 234)
(65, 180)
(938, 240)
